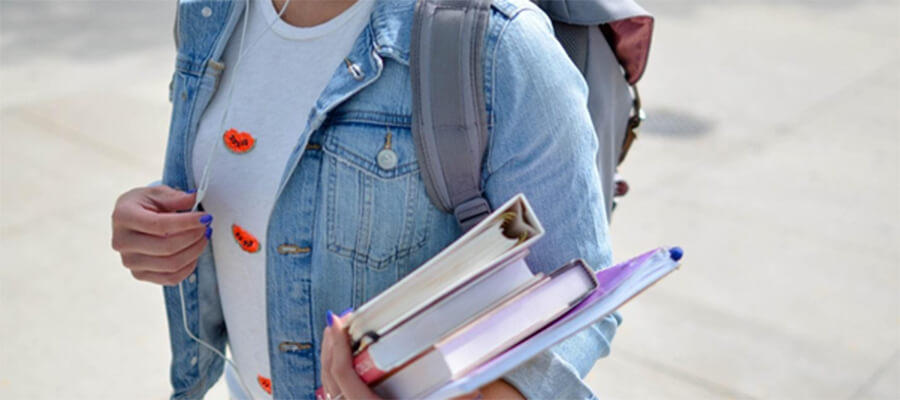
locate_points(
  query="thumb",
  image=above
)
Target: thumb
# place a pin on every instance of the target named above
(167, 199)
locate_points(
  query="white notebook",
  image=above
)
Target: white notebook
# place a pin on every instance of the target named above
(507, 231)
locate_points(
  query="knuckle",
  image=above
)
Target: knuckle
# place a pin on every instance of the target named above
(141, 276)
(117, 214)
(157, 190)
(185, 272)
(121, 199)
(128, 260)
(198, 249)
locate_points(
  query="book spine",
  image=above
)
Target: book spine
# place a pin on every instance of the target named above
(366, 368)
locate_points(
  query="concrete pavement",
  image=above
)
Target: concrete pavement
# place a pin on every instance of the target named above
(773, 160)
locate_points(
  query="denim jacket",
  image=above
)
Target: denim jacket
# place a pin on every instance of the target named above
(343, 228)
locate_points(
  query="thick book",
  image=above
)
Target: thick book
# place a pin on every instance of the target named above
(428, 327)
(497, 240)
(616, 286)
(492, 333)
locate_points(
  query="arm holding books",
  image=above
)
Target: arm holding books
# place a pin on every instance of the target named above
(543, 145)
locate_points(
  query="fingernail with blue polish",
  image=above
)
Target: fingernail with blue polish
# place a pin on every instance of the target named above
(206, 219)
(208, 233)
(192, 191)
(330, 317)
(345, 312)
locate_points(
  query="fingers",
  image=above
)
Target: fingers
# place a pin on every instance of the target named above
(157, 243)
(328, 383)
(152, 211)
(162, 278)
(160, 224)
(341, 364)
(167, 199)
(164, 264)
(128, 241)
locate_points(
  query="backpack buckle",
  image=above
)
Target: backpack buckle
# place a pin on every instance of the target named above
(472, 211)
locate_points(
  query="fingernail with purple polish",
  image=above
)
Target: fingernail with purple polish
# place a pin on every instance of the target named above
(208, 233)
(206, 219)
(192, 191)
(330, 317)
(345, 312)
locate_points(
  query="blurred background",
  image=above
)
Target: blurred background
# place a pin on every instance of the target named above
(770, 154)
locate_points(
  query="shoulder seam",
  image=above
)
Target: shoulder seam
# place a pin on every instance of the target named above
(508, 9)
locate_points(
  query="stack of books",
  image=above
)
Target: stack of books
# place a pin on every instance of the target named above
(475, 311)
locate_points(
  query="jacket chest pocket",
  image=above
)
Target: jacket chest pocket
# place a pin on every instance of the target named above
(377, 211)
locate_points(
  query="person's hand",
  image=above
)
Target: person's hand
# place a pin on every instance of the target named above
(158, 243)
(340, 381)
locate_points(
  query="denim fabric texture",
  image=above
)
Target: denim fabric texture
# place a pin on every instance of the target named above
(362, 225)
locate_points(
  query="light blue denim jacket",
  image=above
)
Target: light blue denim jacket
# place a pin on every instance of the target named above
(343, 229)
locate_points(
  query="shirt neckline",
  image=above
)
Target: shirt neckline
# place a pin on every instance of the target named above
(288, 31)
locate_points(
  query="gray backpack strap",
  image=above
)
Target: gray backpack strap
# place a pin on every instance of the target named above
(449, 122)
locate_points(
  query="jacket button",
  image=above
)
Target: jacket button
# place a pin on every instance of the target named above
(354, 69)
(285, 347)
(194, 360)
(387, 159)
(206, 12)
(292, 249)
(192, 278)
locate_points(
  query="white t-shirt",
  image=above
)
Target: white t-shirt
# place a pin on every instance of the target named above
(282, 73)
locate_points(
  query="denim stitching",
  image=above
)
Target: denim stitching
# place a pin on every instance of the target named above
(361, 254)
(332, 145)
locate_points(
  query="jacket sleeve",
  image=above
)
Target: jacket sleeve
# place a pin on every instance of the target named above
(543, 144)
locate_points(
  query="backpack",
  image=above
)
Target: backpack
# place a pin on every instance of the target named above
(451, 136)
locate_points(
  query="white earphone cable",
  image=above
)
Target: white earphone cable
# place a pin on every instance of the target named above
(204, 178)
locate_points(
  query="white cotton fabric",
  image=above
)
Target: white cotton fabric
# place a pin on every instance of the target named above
(284, 70)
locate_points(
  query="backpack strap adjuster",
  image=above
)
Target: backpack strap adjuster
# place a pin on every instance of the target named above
(634, 122)
(472, 211)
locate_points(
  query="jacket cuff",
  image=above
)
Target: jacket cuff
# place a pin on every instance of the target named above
(547, 376)
(558, 372)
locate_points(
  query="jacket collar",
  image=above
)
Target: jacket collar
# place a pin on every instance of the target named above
(386, 35)
(391, 25)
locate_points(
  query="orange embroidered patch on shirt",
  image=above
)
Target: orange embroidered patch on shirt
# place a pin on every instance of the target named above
(264, 383)
(238, 142)
(247, 241)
